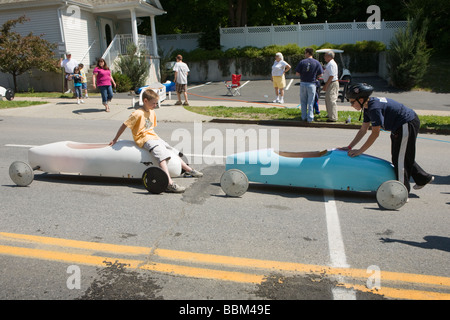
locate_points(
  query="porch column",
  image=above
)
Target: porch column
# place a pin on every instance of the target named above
(134, 28)
(154, 42)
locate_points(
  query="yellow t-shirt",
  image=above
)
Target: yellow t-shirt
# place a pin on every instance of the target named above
(142, 124)
(83, 76)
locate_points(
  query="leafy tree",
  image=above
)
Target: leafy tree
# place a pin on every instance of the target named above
(437, 14)
(19, 54)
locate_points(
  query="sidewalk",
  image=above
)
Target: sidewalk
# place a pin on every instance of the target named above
(92, 109)
(121, 107)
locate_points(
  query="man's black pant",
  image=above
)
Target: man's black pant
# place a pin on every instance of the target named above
(403, 150)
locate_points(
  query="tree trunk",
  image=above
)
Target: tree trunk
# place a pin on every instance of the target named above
(15, 81)
(237, 12)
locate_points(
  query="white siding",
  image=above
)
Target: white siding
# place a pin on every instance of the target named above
(42, 21)
(80, 33)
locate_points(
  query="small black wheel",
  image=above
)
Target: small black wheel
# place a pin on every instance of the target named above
(9, 94)
(155, 180)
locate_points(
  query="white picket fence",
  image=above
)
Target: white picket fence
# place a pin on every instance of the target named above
(303, 35)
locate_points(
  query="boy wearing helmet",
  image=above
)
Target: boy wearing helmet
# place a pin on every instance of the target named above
(392, 116)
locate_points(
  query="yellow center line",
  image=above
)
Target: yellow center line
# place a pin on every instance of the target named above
(196, 258)
(132, 264)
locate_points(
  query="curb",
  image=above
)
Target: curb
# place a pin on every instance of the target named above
(287, 123)
(295, 123)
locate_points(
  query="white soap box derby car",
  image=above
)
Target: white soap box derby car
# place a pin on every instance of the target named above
(7, 93)
(328, 169)
(122, 160)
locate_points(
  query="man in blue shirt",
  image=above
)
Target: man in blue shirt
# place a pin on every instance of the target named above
(392, 116)
(309, 69)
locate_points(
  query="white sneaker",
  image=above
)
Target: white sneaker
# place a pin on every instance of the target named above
(276, 100)
(82, 101)
(194, 173)
(78, 102)
(174, 188)
(281, 101)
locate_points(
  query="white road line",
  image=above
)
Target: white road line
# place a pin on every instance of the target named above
(289, 85)
(245, 83)
(336, 245)
(202, 85)
(19, 145)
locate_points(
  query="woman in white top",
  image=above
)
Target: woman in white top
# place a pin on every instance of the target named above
(279, 68)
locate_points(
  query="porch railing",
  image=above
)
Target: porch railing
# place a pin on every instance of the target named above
(119, 45)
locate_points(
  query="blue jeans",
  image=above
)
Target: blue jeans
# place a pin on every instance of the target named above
(78, 92)
(307, 94)
(107, 93)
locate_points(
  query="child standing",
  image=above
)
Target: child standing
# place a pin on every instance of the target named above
(181, 73)
(142, 123)
(77, 80)
(83, 81)
(393, 116)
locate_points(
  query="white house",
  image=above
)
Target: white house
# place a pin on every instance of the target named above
(89, 29)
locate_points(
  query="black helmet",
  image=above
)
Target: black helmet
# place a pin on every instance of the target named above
(359, 90)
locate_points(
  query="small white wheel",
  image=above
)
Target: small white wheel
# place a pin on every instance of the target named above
(21, 173)
(392, 195)
(234, 182)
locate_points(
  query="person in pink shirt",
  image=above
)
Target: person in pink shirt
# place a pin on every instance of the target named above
(102, 79)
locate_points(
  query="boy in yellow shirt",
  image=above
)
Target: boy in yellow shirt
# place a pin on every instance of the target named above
(142, 123)
(83, 81)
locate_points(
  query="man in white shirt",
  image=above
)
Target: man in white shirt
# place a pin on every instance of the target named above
(68, 64)
(181, 73)
(331, 86)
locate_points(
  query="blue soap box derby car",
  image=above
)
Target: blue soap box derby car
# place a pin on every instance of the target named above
(328, 169)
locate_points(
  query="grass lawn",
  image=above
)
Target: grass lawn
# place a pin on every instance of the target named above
(18, 104)
(294, 114)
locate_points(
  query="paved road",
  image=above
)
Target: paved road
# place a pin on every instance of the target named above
(261, 93)
(273, 243)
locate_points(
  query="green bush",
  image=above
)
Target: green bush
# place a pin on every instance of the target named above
(135, 65)
(291, 49)
(363, 56)
(408, 56)
(123, 82)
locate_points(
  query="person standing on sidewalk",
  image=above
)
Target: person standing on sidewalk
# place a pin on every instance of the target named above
(331, 86)
(83, 80)
(181, 73)
(103, 79)
(309, 69)
(69, 65)
(279, 68)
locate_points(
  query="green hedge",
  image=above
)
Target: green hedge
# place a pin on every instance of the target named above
(362, 56)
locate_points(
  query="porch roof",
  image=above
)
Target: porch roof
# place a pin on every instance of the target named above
(121, 8)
